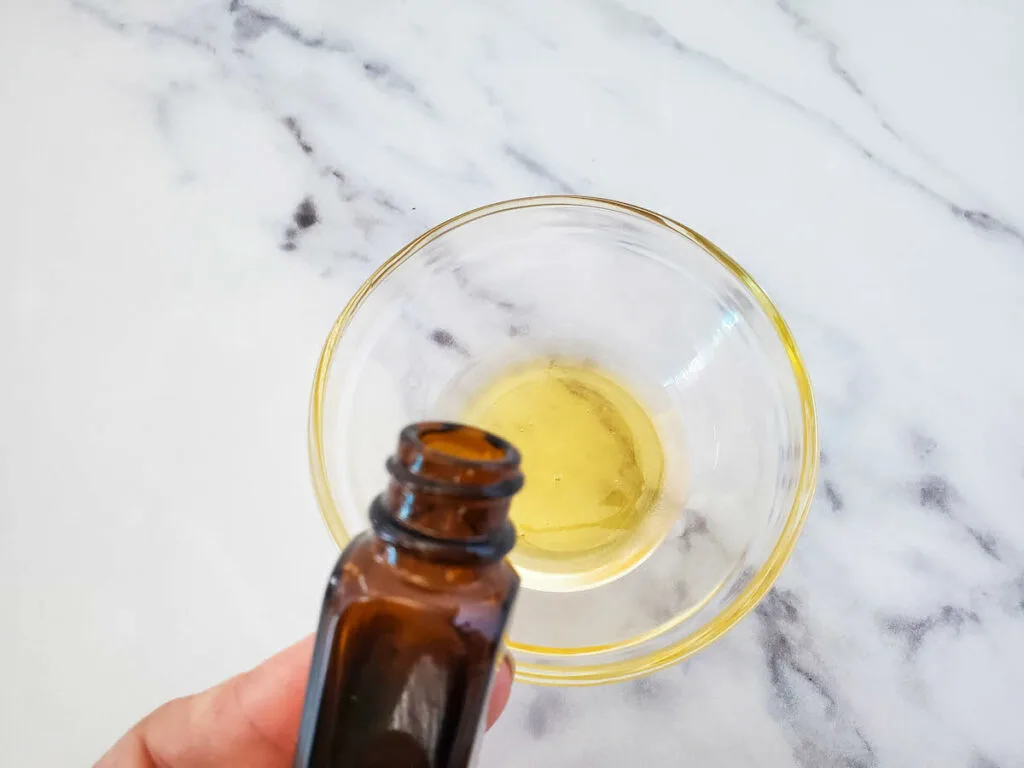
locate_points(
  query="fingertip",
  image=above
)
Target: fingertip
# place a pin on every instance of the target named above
(501, 690)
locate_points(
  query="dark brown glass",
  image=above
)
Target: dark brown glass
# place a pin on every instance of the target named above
(415, 610)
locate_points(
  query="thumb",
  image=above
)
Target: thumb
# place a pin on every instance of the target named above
(251, 719)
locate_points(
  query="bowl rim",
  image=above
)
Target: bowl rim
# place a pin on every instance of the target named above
(740, 605)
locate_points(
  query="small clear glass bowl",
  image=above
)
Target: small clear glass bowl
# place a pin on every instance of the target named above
(667, 314)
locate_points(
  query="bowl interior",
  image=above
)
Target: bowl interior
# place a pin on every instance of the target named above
(662, 311)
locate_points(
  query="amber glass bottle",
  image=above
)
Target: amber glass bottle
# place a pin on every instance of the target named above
(415, 610)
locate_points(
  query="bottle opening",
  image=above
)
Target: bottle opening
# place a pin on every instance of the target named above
(467, 460)
(462, 442)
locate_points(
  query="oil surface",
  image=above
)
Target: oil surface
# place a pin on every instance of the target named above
(593, 463)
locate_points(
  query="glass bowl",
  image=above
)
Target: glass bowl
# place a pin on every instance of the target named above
(662, 311)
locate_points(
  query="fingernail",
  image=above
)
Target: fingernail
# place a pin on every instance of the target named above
(511, 661)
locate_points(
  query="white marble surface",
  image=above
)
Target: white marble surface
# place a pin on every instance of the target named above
(161, 314)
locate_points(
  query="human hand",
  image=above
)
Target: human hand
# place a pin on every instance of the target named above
(251, 719)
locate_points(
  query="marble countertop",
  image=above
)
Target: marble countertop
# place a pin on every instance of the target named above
(190, 190)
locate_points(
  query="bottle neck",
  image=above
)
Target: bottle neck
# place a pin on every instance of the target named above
(449, 494)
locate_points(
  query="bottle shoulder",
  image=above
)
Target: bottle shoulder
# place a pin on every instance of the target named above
(372, 570)
(372, 567)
